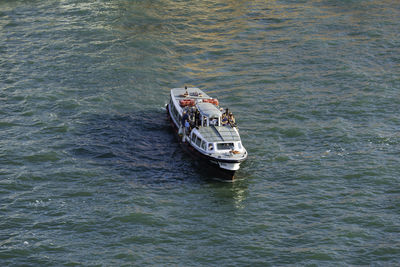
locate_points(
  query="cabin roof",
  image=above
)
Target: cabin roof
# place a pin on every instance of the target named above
(219, 134)
(209, 110)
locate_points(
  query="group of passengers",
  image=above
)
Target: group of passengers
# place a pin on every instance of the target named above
(190, 119)
(228, 118)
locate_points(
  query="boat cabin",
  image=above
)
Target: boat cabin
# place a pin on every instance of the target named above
(210, 115)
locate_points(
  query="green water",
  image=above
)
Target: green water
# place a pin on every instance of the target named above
(92, 175)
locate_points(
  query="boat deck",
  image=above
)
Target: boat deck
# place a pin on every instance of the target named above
(193, 93)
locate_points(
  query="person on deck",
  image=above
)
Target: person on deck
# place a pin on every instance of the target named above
(186, 92)
(185, 117)
(187, 127)
(231, 120)
(197, 118)
(224, 120)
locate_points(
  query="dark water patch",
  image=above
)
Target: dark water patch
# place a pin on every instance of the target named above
(15, 221)
(294, 132)
(140, 145)
(5, 124)
(42, 157)
(140, 218)
(106, 155)
(13, 185)
(62, 128)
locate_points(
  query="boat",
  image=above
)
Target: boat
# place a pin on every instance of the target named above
(206, 129)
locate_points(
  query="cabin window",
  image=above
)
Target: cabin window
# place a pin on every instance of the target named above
(214, 121)
(225, 146)
(198, 141)
(194, 137)
(203, 145)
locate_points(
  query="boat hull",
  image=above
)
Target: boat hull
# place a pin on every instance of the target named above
(216, 170)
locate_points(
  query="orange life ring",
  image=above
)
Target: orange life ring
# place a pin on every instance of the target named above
(212, 101)
(186, 102)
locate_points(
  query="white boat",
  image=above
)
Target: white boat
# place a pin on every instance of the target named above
(209, 135)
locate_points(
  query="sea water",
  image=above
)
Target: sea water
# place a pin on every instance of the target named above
(91, 173)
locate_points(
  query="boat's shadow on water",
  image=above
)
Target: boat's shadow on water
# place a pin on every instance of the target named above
(140, 146)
